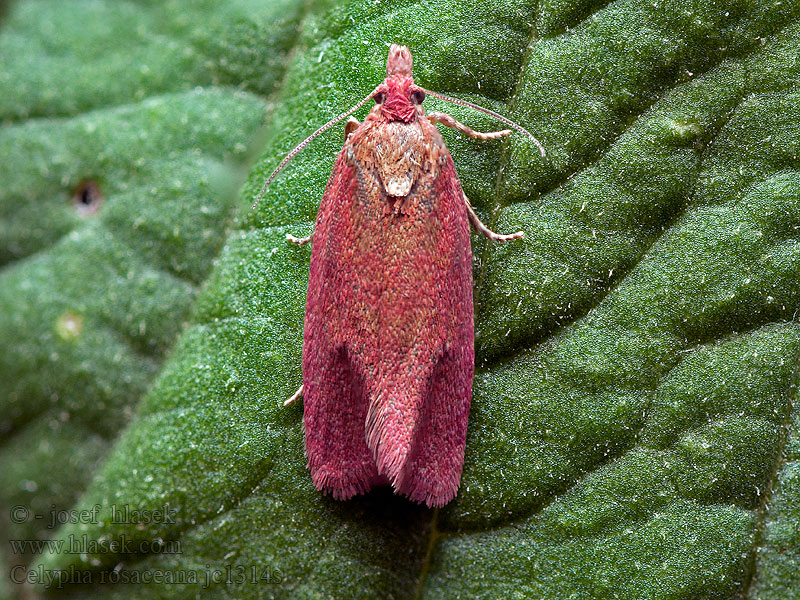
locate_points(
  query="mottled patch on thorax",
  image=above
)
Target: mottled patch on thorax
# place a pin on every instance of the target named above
(398, 149)
(396, 166)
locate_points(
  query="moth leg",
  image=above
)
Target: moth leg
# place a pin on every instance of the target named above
(299, 241)
(448, 121)
(294, 397)
(478, 224)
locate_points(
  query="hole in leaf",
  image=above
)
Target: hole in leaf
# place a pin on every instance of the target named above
(69, 326)
(87, 198)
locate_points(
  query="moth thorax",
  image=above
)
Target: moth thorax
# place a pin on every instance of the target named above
(398, 152)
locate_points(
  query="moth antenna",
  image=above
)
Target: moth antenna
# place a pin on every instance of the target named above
(307, 141)
(497, 116)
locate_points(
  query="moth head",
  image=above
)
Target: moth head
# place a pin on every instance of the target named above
(399, 62)
(398, 97)
(413, 93)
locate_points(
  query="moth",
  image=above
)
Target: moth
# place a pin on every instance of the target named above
(388, 344)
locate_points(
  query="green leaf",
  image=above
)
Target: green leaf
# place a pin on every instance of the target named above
(632, 433)
(102, 106)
